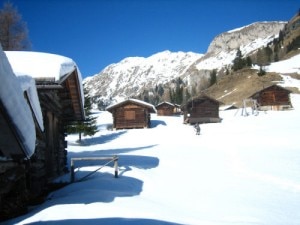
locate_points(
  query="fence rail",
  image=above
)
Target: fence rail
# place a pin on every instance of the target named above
(108, 158)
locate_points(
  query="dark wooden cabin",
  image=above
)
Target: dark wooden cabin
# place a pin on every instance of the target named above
(273, 97)
(61, 102)
(165, 109)
(131, 113)
(201, 109)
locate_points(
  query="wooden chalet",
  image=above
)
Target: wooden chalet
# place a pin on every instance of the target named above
(61, 101)
(131, 113)
(273, 97)
(165, 109)
(201, 109)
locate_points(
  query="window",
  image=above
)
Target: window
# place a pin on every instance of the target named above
(129, 115)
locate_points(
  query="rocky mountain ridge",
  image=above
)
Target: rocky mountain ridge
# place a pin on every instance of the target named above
(233, 39)
(138, 76)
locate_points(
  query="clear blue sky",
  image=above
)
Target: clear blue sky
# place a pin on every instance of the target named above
(96, 33)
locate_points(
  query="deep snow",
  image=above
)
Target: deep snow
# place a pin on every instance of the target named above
(244, 170)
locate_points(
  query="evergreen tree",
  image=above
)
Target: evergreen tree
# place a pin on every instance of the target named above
(238, 62)
(88, 126)
(248, 61)
(13, 31)
(261, 71)
(213, 77)
(269, 53)
(280, 37)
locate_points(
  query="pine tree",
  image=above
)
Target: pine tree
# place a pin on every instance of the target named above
(248, 61)
(238, 62)
(213, 77)
(13, 31)
(87, 127)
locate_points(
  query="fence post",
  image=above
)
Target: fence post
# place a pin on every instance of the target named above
(72, 171)
(116, 166)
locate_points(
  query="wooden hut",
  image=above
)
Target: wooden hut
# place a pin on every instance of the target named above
(273, 97)
(131, 113)
(165, 109)
(60, 98)
(201, 109)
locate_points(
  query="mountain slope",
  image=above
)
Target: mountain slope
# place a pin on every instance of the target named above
(134, 76)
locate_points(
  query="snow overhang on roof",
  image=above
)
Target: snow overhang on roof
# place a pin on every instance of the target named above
(17, 132)
(40, 65)
(51, 68)
(136, 101)
(165, 103)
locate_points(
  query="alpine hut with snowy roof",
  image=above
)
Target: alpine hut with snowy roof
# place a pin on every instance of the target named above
(55, 99)
(131, 113)
(273, 97)
(201, 109)
(165, 109)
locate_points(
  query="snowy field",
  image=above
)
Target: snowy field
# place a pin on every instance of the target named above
(244, 170)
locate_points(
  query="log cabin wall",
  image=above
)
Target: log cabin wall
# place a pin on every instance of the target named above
(201, 110)
(54, 148)
(273, 98)
(165, 109)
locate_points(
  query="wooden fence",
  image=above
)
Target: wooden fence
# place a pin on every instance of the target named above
(108, 159)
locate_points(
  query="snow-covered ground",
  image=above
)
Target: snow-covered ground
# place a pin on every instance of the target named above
(244, 170)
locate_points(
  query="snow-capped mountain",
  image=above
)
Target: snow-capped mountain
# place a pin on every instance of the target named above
(133, 75)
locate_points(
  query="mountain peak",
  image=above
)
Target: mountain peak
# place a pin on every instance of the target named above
(235, 38)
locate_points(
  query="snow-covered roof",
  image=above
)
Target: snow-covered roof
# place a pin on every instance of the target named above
(14, 103)
(40, 65)
(139, 102)
(163, 103)
(45, 66)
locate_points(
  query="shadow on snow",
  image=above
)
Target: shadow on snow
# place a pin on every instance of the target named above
(107, 221)
(155, 123)
(99, 139)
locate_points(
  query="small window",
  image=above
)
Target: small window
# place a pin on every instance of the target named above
(129, 115)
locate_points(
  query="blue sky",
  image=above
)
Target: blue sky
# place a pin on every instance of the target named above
(96, 33)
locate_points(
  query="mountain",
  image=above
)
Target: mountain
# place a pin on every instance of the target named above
(251, 34)
(135, 74)
(157, 78)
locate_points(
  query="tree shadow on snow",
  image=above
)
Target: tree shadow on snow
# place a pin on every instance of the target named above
(107, 221)
(99, 139)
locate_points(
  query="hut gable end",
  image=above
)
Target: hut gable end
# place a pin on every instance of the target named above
(273, 98)
(202, 109)
(165, 109)
(131, 113)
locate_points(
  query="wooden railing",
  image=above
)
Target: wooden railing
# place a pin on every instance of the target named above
(108, 159)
